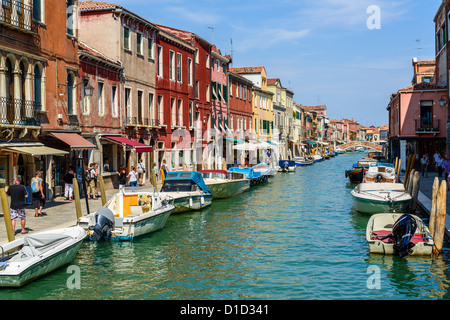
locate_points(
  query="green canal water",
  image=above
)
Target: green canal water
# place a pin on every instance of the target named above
(293, 238)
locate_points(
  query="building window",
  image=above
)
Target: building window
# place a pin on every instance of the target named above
(128, 104)
(190, 73)
(173, 113)
(172, 65)
(207, 61)
(160, 110)
(426, 113)
(37, 88)
(37, 10)
(101, 99)
(160, 61)
(151, 107)
(114, 102)
(180, 112)
(86, 102)
(150, 48)
(179, 65)
(70, 23)
(70, 93)
(191, 109)
(126, 38)
(139, 44)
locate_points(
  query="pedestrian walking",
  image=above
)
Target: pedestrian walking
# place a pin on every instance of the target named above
(424, 165)
(90, 177)
(155, 170)
(68, 184)
(439, 162)
(122, 177)
(436, 157)
(133, 176)
(18, 193)
(164, 168)
(37, 192)
(140, 171)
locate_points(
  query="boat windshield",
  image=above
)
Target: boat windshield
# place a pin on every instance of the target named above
(179, 186)
(213, 175)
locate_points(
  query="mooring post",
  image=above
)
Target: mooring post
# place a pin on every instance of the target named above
(415, 192)
(102, 189)
(410, 181)
(76, 195)
(398, 169)
(440, 218)
(7, 215)
(433, 210)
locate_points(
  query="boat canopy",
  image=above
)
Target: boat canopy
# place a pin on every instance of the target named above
(194, 176)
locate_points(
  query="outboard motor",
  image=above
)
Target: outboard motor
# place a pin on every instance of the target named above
(285, 166)
(104, 219)
(379, 178)
(403, 230)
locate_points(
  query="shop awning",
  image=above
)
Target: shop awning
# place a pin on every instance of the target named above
(311, 142)
(74, 140)
(38, 150)
(140, 147)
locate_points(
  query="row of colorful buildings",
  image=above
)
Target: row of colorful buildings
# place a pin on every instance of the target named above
(88, 81)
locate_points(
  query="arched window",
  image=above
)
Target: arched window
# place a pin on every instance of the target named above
(70, 93)
(37, 88)
(9, 82)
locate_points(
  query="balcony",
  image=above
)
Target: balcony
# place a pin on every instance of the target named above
(423, 127)
(16, 15)
(18, 112)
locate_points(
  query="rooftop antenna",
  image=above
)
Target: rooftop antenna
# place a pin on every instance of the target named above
(232, 51)
(212, 30)
(418, 49)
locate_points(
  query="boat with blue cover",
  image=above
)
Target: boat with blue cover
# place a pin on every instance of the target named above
(256, 174)
(188, 190)
(225, 184)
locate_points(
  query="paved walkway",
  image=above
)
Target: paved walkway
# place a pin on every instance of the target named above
(57, 214)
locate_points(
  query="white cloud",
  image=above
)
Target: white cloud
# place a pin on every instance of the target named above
(202, 17)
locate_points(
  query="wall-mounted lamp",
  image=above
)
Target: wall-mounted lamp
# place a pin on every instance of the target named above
(442, 101)
(88, 89)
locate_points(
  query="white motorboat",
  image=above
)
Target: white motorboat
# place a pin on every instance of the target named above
(225, 184)
(317, 157)
(380, 173)
(385, 234)
(34, 256)
(188, 190)
(304, 161)
(381, 197)
(127, 215)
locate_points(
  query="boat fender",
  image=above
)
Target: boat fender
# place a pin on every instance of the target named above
(191, 203)
(202, 200)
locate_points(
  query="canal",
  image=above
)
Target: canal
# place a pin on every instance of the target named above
(293, 238)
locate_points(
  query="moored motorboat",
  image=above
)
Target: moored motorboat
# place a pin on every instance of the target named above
(188, 190)
(286, 165)
(356, 173)
(127, 215)
(34, 256)
(304, 161)
(317, 157)
(225, 184)
(398, 233)
(380, 197)
(257, 174)
(380, 173)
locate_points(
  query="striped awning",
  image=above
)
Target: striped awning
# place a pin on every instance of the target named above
(37, 150)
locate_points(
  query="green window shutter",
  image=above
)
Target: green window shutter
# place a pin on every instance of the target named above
(225, 93)
(213, 89)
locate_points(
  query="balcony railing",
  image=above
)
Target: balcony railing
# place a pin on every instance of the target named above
(427, 127)
(19, 112)
(17, 15)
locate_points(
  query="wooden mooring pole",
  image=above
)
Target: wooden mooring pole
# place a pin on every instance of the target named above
(101, 183)
(398, 169)
(7, 215)
(415, 192)
(433, 209)
(76, 195)
(439, 219)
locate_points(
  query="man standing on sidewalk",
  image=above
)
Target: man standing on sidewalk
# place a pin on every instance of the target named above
(424, 165)
(18, 193)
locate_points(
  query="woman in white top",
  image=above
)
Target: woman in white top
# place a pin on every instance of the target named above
(141, 171)
(133, 176)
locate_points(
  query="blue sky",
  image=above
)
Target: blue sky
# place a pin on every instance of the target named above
(320, 49)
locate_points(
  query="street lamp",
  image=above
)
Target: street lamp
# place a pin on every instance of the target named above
(442, 102)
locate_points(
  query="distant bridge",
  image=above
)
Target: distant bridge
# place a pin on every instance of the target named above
(366, 144)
